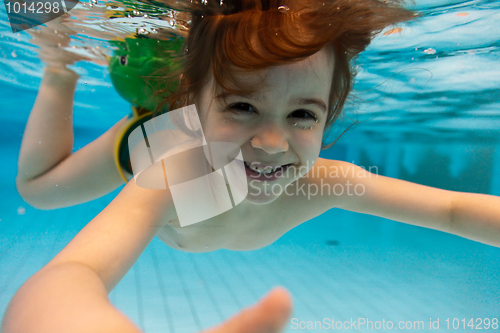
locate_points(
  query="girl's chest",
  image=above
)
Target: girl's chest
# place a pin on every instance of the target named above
(251, 231)
(243, 227)
(247, 233)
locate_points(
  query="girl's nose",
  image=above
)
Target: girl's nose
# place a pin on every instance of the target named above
(271, 141)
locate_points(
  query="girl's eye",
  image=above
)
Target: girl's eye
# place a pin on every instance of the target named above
(303, 115)
(242, 108)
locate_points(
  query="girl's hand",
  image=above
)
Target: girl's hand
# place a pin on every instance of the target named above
(54, 38)
(269, 315)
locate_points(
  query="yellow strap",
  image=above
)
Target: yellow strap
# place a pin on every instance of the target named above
(121, 136)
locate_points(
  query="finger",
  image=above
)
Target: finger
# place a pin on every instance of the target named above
(268, 316)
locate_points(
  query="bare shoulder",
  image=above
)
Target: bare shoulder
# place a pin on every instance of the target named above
(330, 183)
(322, 188)
(335, 171)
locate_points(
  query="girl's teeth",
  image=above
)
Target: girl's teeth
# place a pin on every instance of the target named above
(254, 168)
(267, 170)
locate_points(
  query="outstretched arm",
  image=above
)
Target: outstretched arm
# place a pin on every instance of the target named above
(72, 299)
(49, 174)
(70, 293)
(470, 215)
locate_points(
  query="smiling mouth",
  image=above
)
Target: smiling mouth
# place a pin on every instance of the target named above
(267, 170)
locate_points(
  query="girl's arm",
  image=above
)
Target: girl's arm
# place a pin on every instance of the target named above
(70, 298)
(49, 175)
(470, 215)
(66, 298)
(69, 294)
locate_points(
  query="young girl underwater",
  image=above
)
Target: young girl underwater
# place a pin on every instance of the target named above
(270, 77)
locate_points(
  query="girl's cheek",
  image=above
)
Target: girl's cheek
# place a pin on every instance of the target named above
(308, 140)
(310, 146)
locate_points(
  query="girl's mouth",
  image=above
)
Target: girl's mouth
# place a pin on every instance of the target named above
(265, 173)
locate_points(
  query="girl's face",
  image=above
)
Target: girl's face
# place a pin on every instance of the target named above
(279, 127)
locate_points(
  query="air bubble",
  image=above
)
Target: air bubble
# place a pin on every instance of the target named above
(430, 51)
(283, 9)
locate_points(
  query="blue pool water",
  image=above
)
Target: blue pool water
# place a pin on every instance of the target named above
(428, 102)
